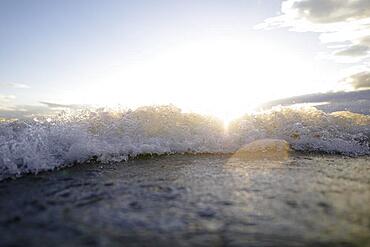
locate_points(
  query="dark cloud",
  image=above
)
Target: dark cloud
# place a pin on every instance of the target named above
(330, 11)
(365, 40)
(354, 101)
(359, 80)
(31, 111)
(24, 111)
(354, 51)
(55, 105)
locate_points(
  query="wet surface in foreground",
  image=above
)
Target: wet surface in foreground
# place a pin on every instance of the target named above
(187, 200)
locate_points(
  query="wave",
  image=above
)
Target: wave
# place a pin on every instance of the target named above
(49, 142)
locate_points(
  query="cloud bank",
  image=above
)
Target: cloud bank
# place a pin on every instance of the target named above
(353, 101)
(344, 25)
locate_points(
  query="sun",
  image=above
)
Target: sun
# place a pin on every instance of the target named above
(224, 78)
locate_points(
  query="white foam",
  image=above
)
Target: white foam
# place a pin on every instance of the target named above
(50, 142)
(307, 129)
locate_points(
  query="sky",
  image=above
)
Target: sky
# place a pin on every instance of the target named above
(221, 58)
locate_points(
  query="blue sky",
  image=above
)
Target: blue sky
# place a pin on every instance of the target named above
(63, 51)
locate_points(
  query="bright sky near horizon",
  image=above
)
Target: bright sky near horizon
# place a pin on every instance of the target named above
(215, 57)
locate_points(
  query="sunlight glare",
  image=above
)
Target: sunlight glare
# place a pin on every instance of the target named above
(223, 78)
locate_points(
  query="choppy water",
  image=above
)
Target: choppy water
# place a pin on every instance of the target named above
(49, 142)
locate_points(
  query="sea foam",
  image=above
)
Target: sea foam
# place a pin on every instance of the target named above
(49, 142)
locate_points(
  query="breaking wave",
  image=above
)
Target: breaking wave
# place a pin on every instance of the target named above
(46, 143)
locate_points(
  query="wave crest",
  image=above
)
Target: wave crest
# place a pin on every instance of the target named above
(307, 129)
(46, 143)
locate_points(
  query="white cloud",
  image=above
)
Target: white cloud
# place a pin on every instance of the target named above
(6, 98)
(343, 25)
(346, 22)
(5, 101)
(14, 85)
